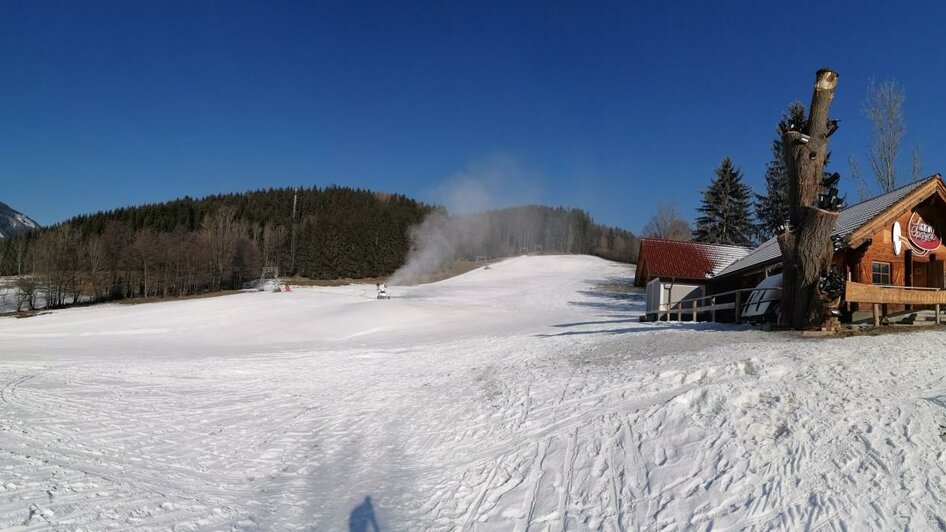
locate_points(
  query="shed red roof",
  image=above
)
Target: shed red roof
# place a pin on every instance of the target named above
(692, 261)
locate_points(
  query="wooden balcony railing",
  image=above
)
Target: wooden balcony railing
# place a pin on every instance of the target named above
(896, 295)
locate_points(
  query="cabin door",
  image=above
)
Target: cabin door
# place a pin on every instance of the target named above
(936, 277)
(920, 274)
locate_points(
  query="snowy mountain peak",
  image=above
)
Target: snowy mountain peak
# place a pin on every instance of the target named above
(13, 222)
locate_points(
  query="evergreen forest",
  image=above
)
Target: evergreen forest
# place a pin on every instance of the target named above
(190, 246)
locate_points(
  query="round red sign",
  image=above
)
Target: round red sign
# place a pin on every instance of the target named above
(922, 235)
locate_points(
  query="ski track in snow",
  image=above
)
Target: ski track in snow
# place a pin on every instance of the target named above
(525, 397)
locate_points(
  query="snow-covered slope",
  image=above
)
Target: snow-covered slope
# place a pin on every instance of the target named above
(527, 396)
(13, 222)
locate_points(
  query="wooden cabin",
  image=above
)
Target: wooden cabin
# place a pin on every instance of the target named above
(890, 241)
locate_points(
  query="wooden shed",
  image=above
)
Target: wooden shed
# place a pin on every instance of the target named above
(675, 271)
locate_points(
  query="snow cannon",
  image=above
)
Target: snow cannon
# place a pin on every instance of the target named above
(382, 291)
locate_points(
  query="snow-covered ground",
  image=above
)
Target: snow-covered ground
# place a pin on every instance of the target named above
(527, 396)
(8, 296)
(7, 299)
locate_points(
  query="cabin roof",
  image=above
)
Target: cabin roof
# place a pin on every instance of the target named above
(848, 222)
(683, 260)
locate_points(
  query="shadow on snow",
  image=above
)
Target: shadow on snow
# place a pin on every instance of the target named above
(622, 303)
(362, 518)
(647, 328)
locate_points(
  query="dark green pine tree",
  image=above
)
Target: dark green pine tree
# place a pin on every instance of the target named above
(771, 208)
(725, 214)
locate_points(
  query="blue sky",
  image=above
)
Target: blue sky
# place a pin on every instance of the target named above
(611, 107)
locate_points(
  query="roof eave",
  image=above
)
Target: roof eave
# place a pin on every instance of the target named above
(640, 269)
(749, 269)
(866, 231)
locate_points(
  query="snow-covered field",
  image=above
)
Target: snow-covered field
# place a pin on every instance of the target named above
(7, 295)
(527, 396)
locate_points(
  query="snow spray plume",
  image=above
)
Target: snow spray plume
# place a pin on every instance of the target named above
(440, 239)
(432, 250)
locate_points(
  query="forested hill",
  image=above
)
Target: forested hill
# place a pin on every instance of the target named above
(191, 245)
(538, 229)
(272, 206)
(336, 232)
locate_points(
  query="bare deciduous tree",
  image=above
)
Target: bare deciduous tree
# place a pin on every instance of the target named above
(220, 232)
(667, 223)
(273, 237)
(916, 163)
(94, 256)
(884, 108)
(57, 261)
(19, 253)
(26, 288)
(863, 191)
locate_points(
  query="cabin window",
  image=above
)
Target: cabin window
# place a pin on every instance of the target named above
(881, 273)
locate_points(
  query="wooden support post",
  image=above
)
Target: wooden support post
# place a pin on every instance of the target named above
(938, 321)
(876, 315)
(713, 307)
(694, 311)
(738, 305)
(668, 310)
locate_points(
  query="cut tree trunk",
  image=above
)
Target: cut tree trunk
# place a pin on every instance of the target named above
(812, 255)
(806, 247)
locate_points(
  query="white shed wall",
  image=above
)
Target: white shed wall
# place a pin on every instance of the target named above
(661, 294)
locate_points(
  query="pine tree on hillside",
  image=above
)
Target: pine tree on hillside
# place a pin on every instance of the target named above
(771, 208)
(725, 213)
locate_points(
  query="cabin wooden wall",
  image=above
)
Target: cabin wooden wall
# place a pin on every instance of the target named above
(859, 262)
(856, 264)
(881, 250)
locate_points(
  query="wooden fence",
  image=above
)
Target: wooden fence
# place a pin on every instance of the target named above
(877, 295)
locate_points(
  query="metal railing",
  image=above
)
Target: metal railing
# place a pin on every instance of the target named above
(733, 300)
(712, 304)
